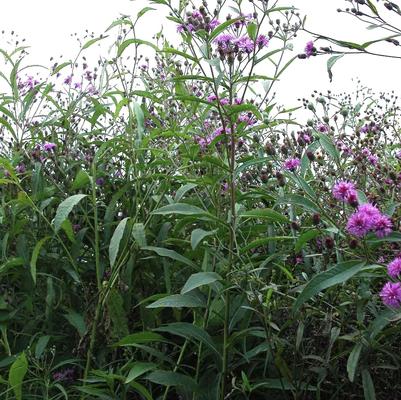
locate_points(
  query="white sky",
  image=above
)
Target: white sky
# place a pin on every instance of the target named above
(47, 26)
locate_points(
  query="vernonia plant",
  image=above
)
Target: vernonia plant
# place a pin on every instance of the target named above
(170, 232)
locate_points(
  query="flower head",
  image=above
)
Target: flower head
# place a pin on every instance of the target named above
(342, 190)
(292, 164)
(382, 226)
(359, 224)
(394, 268)
(245, 44)
(309, 49)
(262, 41)
(391, 294)
(49, 146)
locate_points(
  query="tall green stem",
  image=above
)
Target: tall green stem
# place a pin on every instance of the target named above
(92, 340)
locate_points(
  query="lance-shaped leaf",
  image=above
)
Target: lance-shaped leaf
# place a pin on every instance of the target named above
(334, 276)
(65, 208)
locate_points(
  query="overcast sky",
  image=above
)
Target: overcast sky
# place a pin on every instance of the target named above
(47, 26)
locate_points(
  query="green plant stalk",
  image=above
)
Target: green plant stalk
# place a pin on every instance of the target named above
(231, 255)
(98, 279)
(181, 356)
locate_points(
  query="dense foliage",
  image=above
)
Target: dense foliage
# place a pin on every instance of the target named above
(169, 232)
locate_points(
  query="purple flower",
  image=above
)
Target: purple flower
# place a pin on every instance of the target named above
(100, 181)
(391, 294)
(248, 119)
(213, 24)
(224, 102)
(398, 154)
(262, 41)
(68, 80)
(292, 164)
(359, 224)
(20, 168)
(224, 41)
(49, 146)
(343, 190)
(211, 98)
(196, 14)
(78, 85)
(370, 210)
(382, 225)
(366, 152)
(67, 375)
(394, 268)
(373, 159)
(322, 128)
(245, 44)
(309, 49)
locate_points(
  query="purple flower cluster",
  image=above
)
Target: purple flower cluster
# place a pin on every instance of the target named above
(322, 128)
(198, 20)
(373, 159)
(368, 218)
(248, 118)
(345, 191)
(28, 84)
(291, 164)
(48, 146)
(310, 49)
(205, 141)
(391, 294)
(67, 375)
(394, 268)
(231, 46)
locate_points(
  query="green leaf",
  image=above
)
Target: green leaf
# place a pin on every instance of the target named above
(305, 238)
(35, 255)
(141, 390)
(138, 369)
(65, 208)
(300, 201)
(200, 279)
(170, 50)
(138, 233)
(115, 241)
(178, 301)
(334, 276)
(198, 235)
(328, 146)
(220, 28)
(191, 332)
(170, 378)
(161, 251)
(41, 345)
(353, 360)
(183, 190)
(372, 7)
(77, 321)
(81, 180)
(128, 42)
(252, 30)
(140, 120)
(330, 63)
(265, 213)
(140, 338)
(368, 386)
(60, 67)
(16, 375)
(144, 11)
(179, 208)
(89, 43)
